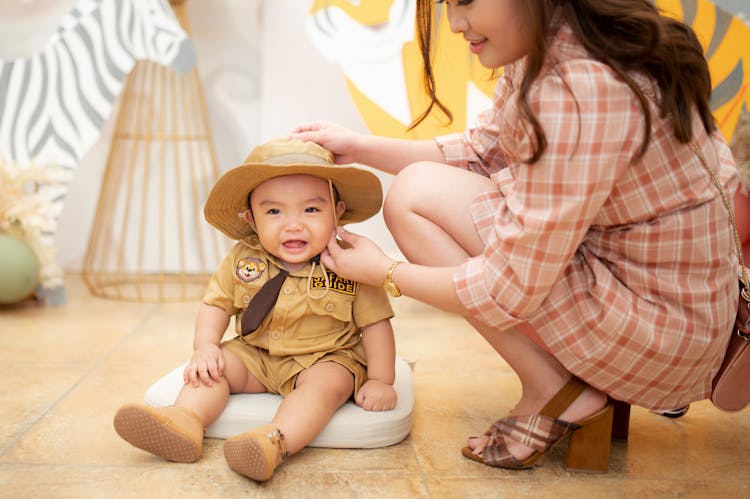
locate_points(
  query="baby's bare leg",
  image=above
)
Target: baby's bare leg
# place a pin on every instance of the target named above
(207, 402)
(320, 390)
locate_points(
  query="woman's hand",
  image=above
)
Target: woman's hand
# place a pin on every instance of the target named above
(341, 141)
(362, 260)
(387, 154)
(206, 365)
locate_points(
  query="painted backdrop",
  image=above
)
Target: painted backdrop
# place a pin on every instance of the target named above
(263, 72)
(372, 41)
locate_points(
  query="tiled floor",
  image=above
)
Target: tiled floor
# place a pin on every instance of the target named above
(64, 371)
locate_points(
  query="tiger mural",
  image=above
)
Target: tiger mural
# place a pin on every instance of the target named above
(372, 41)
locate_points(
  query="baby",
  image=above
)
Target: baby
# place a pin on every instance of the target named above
(302, 332)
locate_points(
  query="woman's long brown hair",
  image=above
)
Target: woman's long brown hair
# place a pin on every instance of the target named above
(630, 36)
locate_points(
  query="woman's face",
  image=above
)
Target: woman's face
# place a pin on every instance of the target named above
(492, 28)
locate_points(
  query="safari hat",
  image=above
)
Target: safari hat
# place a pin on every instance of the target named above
(359, 189)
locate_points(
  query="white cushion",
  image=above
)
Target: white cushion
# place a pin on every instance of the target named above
(351, 426)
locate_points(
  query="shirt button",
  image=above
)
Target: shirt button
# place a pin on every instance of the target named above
(275, 335)
(287, 290)
(330, 307)
(245, 299)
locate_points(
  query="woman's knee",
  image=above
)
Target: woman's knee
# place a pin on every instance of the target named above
(407, 186)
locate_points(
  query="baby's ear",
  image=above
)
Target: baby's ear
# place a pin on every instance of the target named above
(247, 216)
(340, 209)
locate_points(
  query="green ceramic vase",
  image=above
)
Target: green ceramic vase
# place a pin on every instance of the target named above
(19, 269)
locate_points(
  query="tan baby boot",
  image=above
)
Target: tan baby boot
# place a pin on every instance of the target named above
(174, 433)
(256, 453)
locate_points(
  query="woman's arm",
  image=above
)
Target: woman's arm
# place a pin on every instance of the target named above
(365, 262)
(386, 154)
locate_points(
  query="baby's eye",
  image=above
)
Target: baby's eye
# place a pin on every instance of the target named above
(273, 211)
(311, 209)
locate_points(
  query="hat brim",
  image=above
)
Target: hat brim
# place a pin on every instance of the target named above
(359, 189)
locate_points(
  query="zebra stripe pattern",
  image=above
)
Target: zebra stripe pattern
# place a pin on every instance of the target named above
(54, 103)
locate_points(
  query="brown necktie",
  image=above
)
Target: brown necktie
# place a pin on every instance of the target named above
(262, 303)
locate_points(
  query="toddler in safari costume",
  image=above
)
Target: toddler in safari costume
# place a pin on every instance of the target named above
(302, 332)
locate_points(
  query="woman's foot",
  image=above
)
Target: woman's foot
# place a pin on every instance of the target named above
(589, 402)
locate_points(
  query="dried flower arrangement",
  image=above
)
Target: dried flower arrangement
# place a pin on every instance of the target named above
(27, 212)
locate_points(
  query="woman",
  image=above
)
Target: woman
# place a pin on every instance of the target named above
(574, 225)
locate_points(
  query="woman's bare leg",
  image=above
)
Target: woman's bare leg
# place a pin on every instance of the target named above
(541, 376)
(427, 211)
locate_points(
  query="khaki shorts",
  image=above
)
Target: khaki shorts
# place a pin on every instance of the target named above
(278, 373)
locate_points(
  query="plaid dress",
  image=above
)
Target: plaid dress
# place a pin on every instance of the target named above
(624, 268)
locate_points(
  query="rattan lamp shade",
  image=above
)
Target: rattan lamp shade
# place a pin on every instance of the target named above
(149, 241)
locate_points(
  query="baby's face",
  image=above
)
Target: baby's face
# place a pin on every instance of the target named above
(294, 217)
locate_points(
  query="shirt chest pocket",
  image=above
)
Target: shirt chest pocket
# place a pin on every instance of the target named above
(331, 315)
(244, 292)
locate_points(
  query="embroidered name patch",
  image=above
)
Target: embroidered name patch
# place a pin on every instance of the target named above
(336, 283)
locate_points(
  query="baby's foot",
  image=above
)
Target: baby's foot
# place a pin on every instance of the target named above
(257, 453)
(174, 433)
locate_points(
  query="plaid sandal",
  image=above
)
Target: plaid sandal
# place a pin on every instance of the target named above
(590, 441)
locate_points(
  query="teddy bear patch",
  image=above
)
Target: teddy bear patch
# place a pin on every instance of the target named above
(249, 269)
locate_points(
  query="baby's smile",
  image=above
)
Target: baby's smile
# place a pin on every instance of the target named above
(294, 244)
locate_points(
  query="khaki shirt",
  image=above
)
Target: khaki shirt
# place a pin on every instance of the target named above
(299, 325)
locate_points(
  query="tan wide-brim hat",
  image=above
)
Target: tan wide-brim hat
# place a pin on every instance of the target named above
(359, 189)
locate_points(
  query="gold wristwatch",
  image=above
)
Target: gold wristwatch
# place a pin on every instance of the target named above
(388, 285)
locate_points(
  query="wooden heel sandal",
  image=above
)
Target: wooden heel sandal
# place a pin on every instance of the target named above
(590, 442)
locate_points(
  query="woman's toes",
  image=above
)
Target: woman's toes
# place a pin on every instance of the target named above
(477, 444)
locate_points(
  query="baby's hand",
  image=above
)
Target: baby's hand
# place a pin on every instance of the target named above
(376, 396)
(206, 365)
